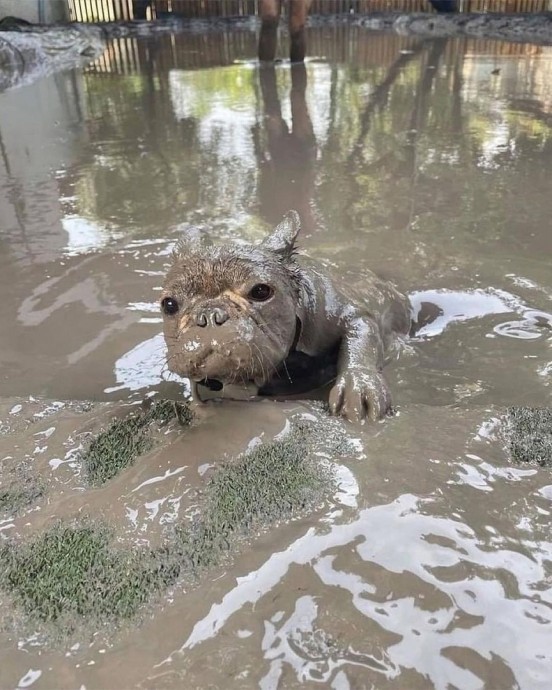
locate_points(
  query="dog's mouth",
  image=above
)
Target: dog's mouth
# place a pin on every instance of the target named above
(212, 384)
(213, 389)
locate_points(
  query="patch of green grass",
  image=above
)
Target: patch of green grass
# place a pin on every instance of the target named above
(126, 439)
(271, 482)
(530, 434)
(73, 574)
(19, 494)
(163, 411)
(72, 571)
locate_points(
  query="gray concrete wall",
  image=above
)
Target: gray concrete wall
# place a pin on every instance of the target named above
(45, 11)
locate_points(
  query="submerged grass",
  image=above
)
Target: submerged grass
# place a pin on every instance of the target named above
(73, 574)
(272, 482)
(126, 439)
(530, 434)
(72, 571)
(19, 494)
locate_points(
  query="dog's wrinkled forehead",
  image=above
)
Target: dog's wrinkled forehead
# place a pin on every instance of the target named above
(216, 269)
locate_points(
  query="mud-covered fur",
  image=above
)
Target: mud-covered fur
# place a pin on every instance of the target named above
(216, 328)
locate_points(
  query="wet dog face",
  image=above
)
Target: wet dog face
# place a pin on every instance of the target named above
(230, 312)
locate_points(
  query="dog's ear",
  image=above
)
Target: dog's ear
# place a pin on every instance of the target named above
(282, 239)
(191, 239)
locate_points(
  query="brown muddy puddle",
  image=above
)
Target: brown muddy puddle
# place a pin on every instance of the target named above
(427, 162)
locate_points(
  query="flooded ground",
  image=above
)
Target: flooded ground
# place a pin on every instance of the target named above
(427, 161)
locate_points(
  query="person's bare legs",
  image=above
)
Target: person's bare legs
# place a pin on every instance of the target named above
(270, 17)
(298, 12)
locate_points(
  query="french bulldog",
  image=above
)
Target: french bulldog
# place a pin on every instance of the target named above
(256, 316)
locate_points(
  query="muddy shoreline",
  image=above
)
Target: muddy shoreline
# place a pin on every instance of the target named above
(37, 51)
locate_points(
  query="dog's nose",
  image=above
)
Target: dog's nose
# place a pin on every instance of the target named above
(214, 316)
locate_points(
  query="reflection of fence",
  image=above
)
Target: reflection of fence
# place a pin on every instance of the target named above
(132, 56)
(112, 10)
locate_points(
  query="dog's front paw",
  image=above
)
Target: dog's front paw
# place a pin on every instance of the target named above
(360, 394)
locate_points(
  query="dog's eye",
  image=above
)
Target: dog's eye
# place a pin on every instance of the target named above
(169, 306)
(260, 292)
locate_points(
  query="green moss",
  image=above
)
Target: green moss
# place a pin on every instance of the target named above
(73, 574)
(530, 434)
(126, 439)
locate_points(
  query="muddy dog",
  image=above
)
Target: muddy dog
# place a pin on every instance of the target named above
(257, 318)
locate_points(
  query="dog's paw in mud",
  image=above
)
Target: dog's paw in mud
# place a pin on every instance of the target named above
(361, 394)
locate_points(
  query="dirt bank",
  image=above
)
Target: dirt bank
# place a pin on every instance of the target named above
(39, 51)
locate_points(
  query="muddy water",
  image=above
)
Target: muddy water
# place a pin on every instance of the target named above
(428, 162)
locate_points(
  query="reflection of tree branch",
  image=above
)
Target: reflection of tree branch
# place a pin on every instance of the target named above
(418, 119)
(456, 114)
(333, 102)
(379, 95)
(15, 195)
(5, 158)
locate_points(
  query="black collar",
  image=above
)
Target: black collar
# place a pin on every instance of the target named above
(297, 336)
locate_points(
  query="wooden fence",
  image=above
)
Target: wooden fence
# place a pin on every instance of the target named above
(115, 10)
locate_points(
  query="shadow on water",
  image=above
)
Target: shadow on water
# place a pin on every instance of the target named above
(286, 155)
